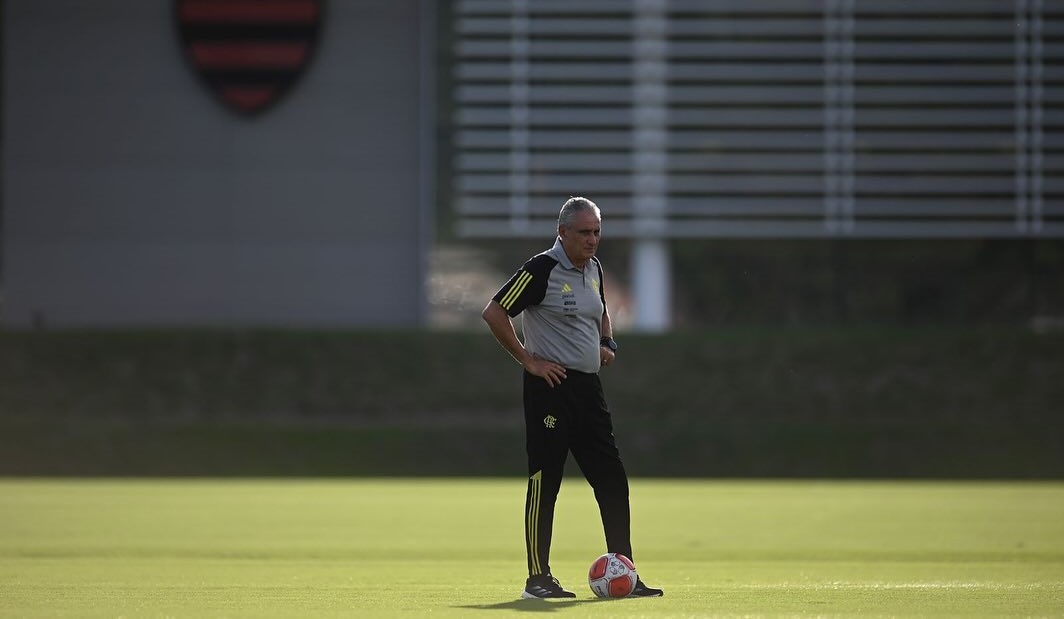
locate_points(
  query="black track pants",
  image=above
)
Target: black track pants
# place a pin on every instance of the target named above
(571, 417)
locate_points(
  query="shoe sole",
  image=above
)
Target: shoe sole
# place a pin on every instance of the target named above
(525, 595)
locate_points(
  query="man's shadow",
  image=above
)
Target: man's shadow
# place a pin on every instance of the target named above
(532, 606)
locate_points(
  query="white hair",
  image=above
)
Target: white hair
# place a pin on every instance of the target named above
(573, 206)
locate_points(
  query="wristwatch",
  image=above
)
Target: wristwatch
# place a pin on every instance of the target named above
(608, 342)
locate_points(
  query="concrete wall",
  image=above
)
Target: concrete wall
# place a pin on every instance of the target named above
(133, 197)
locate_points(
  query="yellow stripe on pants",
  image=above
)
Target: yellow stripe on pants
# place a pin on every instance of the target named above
(536, 484)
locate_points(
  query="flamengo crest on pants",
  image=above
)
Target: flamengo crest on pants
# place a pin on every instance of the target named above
(249, 53)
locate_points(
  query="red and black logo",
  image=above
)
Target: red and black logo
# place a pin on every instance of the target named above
(249, 52)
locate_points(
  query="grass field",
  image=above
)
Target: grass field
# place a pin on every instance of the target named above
(452, 548)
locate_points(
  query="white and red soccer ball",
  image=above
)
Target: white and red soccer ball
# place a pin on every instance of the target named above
(612, 575)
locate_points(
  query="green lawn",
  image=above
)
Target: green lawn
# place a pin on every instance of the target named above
(444, 547)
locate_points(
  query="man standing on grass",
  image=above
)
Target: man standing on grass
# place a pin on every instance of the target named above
(568, 338)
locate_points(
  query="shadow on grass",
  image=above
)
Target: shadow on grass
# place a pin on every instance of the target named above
(532, 606)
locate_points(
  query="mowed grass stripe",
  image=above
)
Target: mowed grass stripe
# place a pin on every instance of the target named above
(412, 547)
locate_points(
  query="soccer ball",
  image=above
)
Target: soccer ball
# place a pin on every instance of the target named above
(612, 576)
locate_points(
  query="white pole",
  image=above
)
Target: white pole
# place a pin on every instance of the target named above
(520, 48)
(651, 266)
(652, 282)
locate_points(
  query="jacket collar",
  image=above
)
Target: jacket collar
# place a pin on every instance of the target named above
(558, 253)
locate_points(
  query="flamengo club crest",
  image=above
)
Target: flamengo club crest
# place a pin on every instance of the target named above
(249, 52)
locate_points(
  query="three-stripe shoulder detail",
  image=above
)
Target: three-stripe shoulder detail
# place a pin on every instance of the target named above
(516, 289)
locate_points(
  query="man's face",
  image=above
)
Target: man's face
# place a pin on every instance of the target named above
(581, 237)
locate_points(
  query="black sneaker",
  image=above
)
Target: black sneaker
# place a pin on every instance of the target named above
(545, 586)
(643, 591)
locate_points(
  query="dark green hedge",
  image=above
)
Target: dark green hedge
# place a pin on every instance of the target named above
(856, 402)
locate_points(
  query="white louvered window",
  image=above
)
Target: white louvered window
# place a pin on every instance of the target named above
(776, 118)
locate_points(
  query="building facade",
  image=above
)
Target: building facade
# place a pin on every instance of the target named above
(132, 196)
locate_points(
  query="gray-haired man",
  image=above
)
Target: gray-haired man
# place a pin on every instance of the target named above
(568, 338)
